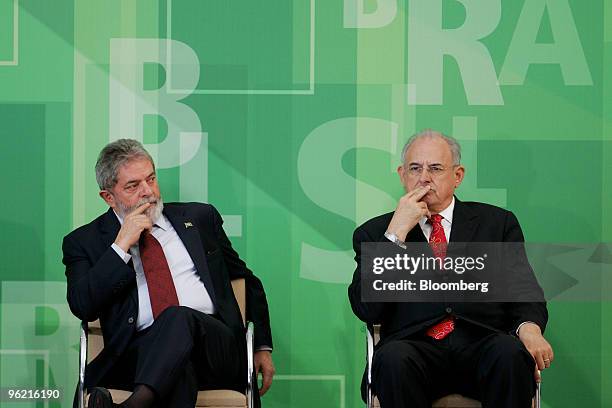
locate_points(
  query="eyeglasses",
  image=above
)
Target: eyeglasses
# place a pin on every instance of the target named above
(434, 170)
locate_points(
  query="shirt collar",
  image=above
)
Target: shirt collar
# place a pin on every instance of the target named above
(447, 214)
(162, 222)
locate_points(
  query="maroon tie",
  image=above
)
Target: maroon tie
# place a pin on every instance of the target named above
(437, 241)
(162, 292)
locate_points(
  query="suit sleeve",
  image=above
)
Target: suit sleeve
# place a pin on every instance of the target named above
(256, 302)
(93, 287)
(369, 312)
(523, 280)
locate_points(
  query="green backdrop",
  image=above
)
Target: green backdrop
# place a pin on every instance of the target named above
(289, 117)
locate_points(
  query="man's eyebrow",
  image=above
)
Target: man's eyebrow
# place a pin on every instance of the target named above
(138, 181)
(420, 164)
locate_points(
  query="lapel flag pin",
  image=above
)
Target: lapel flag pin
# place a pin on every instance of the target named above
(188, 224)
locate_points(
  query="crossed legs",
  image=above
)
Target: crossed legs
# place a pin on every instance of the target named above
(182, 351)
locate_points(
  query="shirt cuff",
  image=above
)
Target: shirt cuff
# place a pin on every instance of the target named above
(521, 325)
(122, 254)
(264, 348)
(394, 238)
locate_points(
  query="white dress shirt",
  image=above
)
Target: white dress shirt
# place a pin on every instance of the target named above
(190, 290)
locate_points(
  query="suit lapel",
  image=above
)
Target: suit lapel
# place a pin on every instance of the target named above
(189, 233)
(464, 223)
(416, 234)
(109, 228)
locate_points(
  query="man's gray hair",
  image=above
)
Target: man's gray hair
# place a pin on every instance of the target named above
(113, 156)
(454, 146)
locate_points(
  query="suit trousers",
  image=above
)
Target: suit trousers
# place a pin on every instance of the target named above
(494, 368)
(184, 350)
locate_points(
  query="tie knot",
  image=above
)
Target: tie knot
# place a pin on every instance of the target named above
(435, 219)
(145, 236)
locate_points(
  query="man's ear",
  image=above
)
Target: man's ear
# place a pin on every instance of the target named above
(459, 174)
(400, 172)
(108, 198)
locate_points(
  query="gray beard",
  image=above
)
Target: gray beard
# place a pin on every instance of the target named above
(153, 212)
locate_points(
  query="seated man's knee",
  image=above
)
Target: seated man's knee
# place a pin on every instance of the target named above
(505, 349)
(175, 314)
(396, 357)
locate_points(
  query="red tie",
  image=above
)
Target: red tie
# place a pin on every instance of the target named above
(437, 241)
(442, 329)
(162, 292)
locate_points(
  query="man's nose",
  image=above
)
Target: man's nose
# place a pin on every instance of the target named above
(425, 177)
(145, 189)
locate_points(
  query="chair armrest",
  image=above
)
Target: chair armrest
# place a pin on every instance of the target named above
(82, 364)
(250, 366)
(370, 355)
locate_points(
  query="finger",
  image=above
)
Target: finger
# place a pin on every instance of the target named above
(140, 209)
(540, 361)
(143, 220)
(413, 192)
(266, 383)
(143, 224)
(424, 210)
(420, 192)
(537, 375)
(551, 353)
(148, 225)
(416, 191)
(139, 219)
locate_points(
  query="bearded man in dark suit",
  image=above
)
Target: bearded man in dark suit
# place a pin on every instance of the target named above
(158, 278)
(491, 352)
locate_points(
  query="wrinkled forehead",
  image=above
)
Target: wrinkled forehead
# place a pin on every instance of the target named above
(429, 150)
(135, 169)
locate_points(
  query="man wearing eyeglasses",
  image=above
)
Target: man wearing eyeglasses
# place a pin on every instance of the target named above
(490, 352)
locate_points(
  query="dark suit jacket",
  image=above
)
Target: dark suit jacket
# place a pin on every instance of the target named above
(101, 285)
(472, 222)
